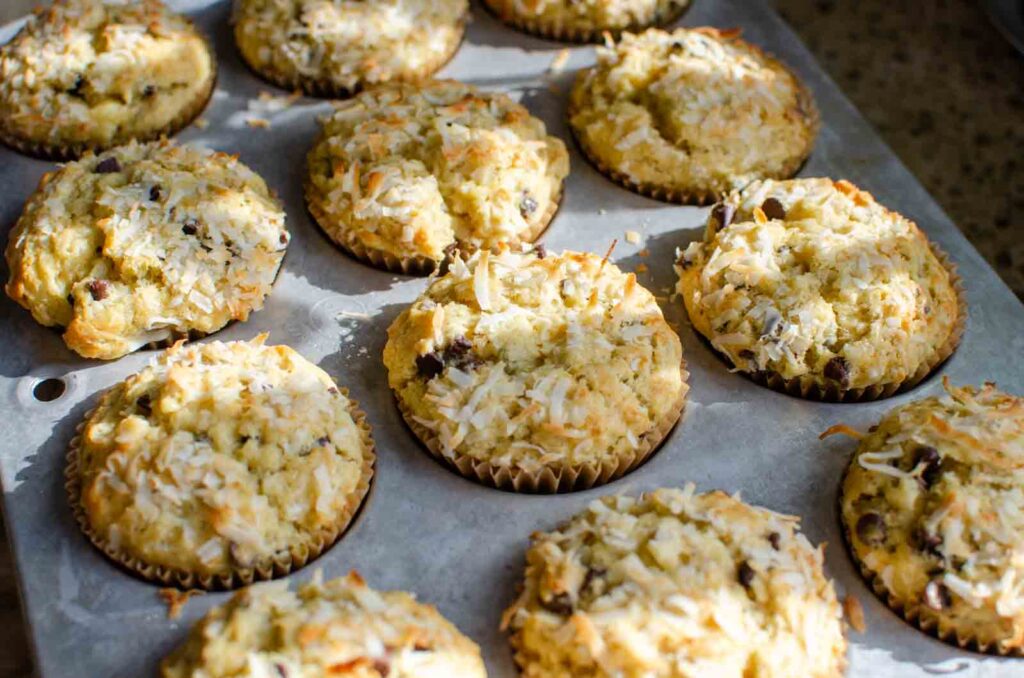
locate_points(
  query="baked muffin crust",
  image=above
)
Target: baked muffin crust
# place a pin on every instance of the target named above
(145, 243)
(340, 628)
(933, 509)
(536, 360)
(333, 48)
(92, 74)
(409, 171)
(586, 19)
(811, 277)
(220, 457)
(691, 114)
(679, 584)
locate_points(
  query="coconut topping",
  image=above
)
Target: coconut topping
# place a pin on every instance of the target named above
(337, 628)
(411, 170)
(220, 456)
(832, 285)
(934, 505)
(571, 361)
(143, 243)
(101, 72)
(696, 110)
(675, 583)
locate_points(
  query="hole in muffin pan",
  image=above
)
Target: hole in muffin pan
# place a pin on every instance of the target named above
(48, 390)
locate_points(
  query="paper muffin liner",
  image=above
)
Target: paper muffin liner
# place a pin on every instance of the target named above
(408, 265)
(696, 195)
(554, 478)
(506, 12)
(269, 567)
(58, 152)
(810, 387)
(913, 612)
(325, 88)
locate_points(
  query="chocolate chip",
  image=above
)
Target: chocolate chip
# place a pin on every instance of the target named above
(144, 404)
(928, 542)
(107, 166)
(540, 250)
(871, 529)
(932, 461)
(527, 205)
(333, 390)
(99, 289)
(190, 227)
(838, 370)
(721, 216)
(71, 299)
(76, 89)
(382, 666)
(155, 192)
(745, 574)
(430, 364)
(559, 604)
(322, 441)
(148, 91)
(773, 209)
(283, 239)
(936, 595)
(775, 539)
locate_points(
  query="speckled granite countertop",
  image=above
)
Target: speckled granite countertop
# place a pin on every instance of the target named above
(936, 79)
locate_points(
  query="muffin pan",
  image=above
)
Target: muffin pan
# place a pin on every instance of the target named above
(458, 544)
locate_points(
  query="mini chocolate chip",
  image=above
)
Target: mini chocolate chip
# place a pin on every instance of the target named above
(382, 666)
(107, 165)
(71, 299)
(721, 215)
(154, 192)
(333, 390)
(936, 595)
(871, 529)
(773, 209)
(559, 604)
(190, 227)
(459, 346)
(144, 404)
(282, 672)
(932, 471)
(745, 574)
(928, 542)
(99, 289)
(429, 365)
(322, 441)
(540, 250)
(76, 89)
(283, 239)
(527, 205)
(775, 539)
(838, 370)
(148, 91)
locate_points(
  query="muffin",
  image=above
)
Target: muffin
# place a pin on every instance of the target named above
(401, 173)
(811, 287)
(92, 74)
(537, 372)
(586, 20)
(334, 48)
(220, 464)
(932, 508)
(688, 115)
(267, 630)
(676, 584)
(143, 244)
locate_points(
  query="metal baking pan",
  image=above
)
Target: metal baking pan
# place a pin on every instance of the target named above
(455, 543)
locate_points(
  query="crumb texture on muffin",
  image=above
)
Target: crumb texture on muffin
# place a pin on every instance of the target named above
(92, 74)
(814, 277)
(221, 456)
(536, 359)
(411, 170)
(582, 18)
(341, 627)
(933, 507)
(338, 46)
(144, 243)
(675, 583)
(694, 113)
